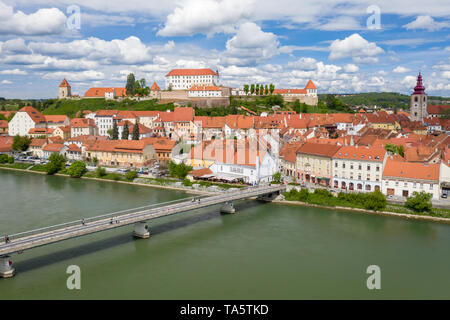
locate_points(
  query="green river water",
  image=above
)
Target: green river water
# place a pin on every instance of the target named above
(264, 251)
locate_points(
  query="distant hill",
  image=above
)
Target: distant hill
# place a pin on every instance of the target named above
(381, 99)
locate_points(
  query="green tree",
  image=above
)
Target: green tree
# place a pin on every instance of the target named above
(266, 90)
(135, 135)
(257, 89)
(304, 108)
(179, 171)
(21, 143)
(3, 158)
(401, 150)
(271, 88)
(100, 172)
(130, 86)
(276, 177)
(56, 163)
(131, 175)
(115, 132)
(126, 131)
(375, 201)
(297, 107)
(419, 202)
(252, 89)
(246, 89)
(77, 169)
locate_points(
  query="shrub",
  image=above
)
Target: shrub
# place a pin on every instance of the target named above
(100, 172)
(115, 176)
(419, 202)
(57, 163)
(187, 183)
(375, 201)
(179, 171)
(276, 178)
(3, 158)
(11, 160)
(131, 175)
(77, 169)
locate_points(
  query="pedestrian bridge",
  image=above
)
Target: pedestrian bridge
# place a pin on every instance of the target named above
(138, 217)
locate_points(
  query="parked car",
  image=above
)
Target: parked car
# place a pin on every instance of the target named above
(444, 196)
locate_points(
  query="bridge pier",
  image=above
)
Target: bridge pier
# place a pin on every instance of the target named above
(6, 269)
(227, 207)
(141, 230)
(269, 196)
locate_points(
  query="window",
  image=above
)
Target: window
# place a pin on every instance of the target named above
(368, 168)
(359, 167)
(343, 165)
(378, 169)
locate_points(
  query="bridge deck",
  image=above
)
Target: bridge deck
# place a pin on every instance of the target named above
(103, 224)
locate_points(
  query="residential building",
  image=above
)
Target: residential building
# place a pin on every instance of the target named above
(74, 152)
(183, 79)
(205, 92)
(24, 120)
(3, 127)
(86, 127)
(314, 162)
(107, 93)
(53, 148)
(36, 147)
(63, 132)
(437, 111)
(402, 179)
(6, 143)
(358, 168)
(104, 120)
(55, 121)
(40, 132)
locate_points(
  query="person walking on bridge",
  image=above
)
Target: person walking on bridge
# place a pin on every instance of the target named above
(7, 239)
(83, 222)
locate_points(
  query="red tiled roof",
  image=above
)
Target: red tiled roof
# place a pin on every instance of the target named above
(200, 172)
(74, 148)
(100, 92)
(289, 91)
(3, 124)
(35, 115)
(411, 170)
(183, 114)
(310, 85)
(155, 87)
(82, 123)
(210, 122)
(191, 72)
(53, 147)
(38, 142)
(361, 153)
(40, 131)
(106, 113)
(6, 144)
(437, 109)
(64, 83)
(319, 149)
(55, 118)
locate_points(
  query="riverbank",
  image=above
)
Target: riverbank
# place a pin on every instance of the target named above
(384, 213)
(197, 191)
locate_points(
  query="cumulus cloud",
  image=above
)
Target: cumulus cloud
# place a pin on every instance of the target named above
(206, 17)
(76, 76)
(351, 68)
(42, 22)
(355, 47)
(6, 82)
(303, 63)
(427, 23)
(14, 72)
(250, 45)
(338, 23)
(401, 69)
(409, 81)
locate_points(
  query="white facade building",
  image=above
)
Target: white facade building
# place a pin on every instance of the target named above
(25, 119)
(205, 92)
(183, 79)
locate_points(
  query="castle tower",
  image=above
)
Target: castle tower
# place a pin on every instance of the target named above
(64, 90)
(419, 101)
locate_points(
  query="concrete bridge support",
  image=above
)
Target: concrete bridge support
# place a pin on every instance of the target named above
(6, 269)
(227, 207)
(141, 230)
(269, 197)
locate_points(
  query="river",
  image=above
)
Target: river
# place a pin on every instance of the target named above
(264, 251)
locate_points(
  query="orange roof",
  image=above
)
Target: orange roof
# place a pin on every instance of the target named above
(74, 148)
(237, 121)
(310, 85)
(53, 147)
(40, 131)
(82, 123)
(38, 142)
(319, 149)
(160, 144)
(191, 72)
(3, 124)
(411, 170)
(100, 92)
(64, 83)
(204, 88)
(437, 109)
(155, 87)
(35, 115)
(183, 114)
(210, 122)
(289, 151)
(106, 113)
(200, 172)
(360, 153)
(55, 118)
(6, 144)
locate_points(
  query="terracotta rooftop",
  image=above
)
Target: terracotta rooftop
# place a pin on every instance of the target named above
(375, 154)
(318, 149)
(191, 72)
(411, 170)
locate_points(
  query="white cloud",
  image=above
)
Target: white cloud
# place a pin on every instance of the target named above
(446, 74)
(206, 16)
(303, 63)
(351, 68)
(41, 22)
(355, 47)
(427, 23)
(409, 81)
(76, 76)
(51, 63)
(14, 46)
(338, 23)
(250, 45)
(401, 69)
(6, 82)
(14, 72)
(382, 72)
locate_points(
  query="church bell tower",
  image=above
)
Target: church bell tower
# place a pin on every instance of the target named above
(419, 101)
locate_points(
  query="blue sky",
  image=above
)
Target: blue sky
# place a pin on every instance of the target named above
(338, 44)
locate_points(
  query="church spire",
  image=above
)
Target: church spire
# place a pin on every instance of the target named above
(419, 88)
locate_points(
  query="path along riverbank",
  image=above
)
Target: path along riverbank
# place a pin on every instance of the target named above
(298, 203)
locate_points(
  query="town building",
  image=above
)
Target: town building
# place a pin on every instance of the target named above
(55, 121)
(314, 163)
(53, 148)
(307, 95)
(358, 168)
(36, 147)
(419, 101)
(3, 127)
(62, 132)
(24, 120)
(83, 127)
(104, 120)
(402, 179)
(64, 90)
(6, 143)
(183, 79)
(106, 93)
(205, 92)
